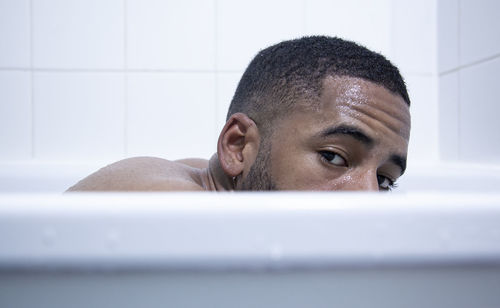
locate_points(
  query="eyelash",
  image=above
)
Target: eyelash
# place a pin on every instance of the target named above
(328, 156)
(392, 184)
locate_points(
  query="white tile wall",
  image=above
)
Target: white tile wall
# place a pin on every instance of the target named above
(469, 55)
(342, 18)
(78, 116)
(414, 38)
(211, 42)
(424, 118)
(78, 34)
(479, 111)
(448, 116)
(15, 115)
(245, 27)
(414, 35)
(171, 115)
(175, 35)
(479, 30)
(15, 33)
(226, 86)
(448, 35)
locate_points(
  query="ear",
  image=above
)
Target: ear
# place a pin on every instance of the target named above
(238, 144)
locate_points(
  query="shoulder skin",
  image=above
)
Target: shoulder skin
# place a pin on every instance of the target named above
(146, 174)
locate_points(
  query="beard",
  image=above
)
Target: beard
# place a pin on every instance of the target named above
(259, 176)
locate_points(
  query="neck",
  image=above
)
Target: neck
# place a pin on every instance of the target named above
(214, 177)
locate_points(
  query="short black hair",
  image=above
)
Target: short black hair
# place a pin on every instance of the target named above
(293, 70)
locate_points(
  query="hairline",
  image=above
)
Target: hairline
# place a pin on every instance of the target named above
(305, 102)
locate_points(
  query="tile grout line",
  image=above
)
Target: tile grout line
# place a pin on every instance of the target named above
(18, 69)
(216, 71)
(459, 155)
(420, 74)
(125, 81)
(32, 80)
(471, 64)
(435, 81)
(83, 70)
(304, 17)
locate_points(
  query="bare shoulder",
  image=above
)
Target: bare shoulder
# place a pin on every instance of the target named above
(142, 174)
(194, 162)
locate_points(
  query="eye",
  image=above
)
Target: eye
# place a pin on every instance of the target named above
(385, 183)
(333, 158)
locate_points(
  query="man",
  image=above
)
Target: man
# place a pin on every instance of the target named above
(316, 113)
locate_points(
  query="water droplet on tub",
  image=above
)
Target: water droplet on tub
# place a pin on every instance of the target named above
(495, 233)
(49, 235)
(276, 252)
(112, 238)
(444, 238)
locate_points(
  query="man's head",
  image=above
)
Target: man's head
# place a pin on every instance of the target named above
(317, 113)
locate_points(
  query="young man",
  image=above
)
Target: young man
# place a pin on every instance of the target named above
(316, 113)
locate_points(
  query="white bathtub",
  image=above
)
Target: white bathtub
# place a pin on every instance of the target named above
(433, 245)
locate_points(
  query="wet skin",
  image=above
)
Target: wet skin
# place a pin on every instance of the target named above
(356, 139)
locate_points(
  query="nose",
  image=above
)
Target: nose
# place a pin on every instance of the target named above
(369, 183)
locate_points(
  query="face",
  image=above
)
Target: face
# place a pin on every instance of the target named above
(356, 138)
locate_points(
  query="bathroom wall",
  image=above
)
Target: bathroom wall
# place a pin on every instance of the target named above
(96, 81)
(469, 64)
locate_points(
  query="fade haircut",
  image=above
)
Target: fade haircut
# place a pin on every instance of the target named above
(291, 71)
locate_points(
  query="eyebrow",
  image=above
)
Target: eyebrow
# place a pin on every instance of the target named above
(359, 135)
(351, 131)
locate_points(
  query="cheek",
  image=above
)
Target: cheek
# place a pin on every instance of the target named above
(289, 169)
(305, 171)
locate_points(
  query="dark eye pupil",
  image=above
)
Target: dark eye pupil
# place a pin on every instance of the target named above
(328, 155)
(380, 179)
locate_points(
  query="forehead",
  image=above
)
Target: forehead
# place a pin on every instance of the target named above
(356, 102)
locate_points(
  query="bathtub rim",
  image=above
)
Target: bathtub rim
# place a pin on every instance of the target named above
(466, 226)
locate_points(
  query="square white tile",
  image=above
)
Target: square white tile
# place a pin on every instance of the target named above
(246, 27)
(448, 116)
(226, 86)
(448, 35)
(15, 33)
(479, 30)
(479, 110)
(363, 21)
(174, 35)
(424, 118)
(78, 34)
(15, 115)
(414, 36)
(79, 116)
(171, 115)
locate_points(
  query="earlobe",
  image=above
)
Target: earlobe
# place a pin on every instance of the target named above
(238, 144)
